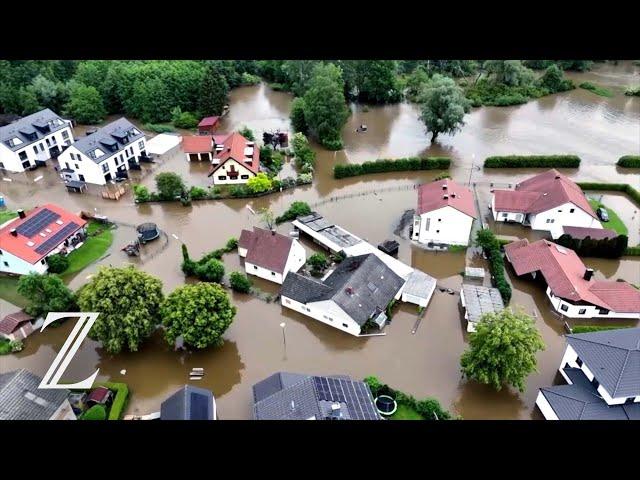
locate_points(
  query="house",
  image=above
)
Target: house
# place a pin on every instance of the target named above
(444, 215)
(32, 140)
(19, 325)
(99, 396)
(202, 147)
(602, 371)
(270, 255)
(29, 239)
(478, 300)
(21, 399)
(548, 201)
(189, 403)
(294, 396)
(356, 293)
(235, 161)
(570, 285)
(208, 125)
(104, 155)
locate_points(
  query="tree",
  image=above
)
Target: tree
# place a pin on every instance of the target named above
(554, 81)
(141, 193)
(96, 412)
(318, 261)
(198, 313)
(85, 104)
(247, 133)
(49, 93)
(213, 92)
(260, 183)
(376, 81)
(240, 282)
(170, 185)
(295, 210)
(443, 106)
(211, 270)
(509, 72)
(46, 293)
(267, 217)
(128, 300)
(27, 101)
(502, 350)
(57, 263)
(298, 121)
(182, 119)
(416, 83)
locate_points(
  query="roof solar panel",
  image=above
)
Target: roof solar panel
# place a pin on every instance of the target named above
(199, 407)
(35, 224)
(56, 239)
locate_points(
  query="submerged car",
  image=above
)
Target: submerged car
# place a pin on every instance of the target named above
(602, 214)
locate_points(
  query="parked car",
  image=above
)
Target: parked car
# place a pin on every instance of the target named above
(602, 214)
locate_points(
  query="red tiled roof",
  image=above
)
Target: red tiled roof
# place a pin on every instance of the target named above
(593, 233)
(18, 245)
(564, 272)
(431, 196)
(234, 146)
(208, 121)
(197, 143)
(11, 322)
(99, 395)
(541, 193)
(266, 249)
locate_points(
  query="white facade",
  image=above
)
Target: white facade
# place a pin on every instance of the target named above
(297, 258)
(327, 312)
(545, 408)
(222, 175)
(445, 225)
(23, 331)
(38, 150)
(103, 169)
(570, 310)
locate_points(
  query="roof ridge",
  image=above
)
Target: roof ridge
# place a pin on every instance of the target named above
(624, 365)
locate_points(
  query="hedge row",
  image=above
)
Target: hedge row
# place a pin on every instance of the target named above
(533, 161)
(387, 165)
(120, 401)
(633, 251)
(615, 187)
(491, 246)
(629, 161)
(595, 328)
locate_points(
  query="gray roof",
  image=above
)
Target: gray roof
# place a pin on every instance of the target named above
(614, 358)
(188, 403)
(20, 398)
(581, 401)
(419, 284)
(334, 233)
(480, 300)
(37, 123)
(362, 286)
(293, 396)
(115, 133)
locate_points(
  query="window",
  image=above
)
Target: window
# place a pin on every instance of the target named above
(65, 134)
(579, 362)
(42, 261)
(437, 231)
(48, 142)
(67, 164)
(244, 177)
(222, 177)
(41, 147)
(439, 219)
(273, 273)
(141, 144)
(5, 264)
(582, 311)
(595, 383)
(550, 220)
(35, 149)
(572, 210)
(564, 307)
(22, 155)
(603, 311)
(0, 252)
(105, 167)
(345, 325)
(559, 211)
(77, 167)
(307, 309)
(255, 267)
(54, 141)
(505, 215)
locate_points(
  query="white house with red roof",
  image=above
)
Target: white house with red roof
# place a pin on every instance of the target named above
(235, 161)
(445, 214)
(270, 255)
(571, 288)
(203, 147)
(26, 241)
(548, 201)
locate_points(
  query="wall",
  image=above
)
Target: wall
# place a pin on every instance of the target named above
(453, 228)
(297, 258)
(562, 216)
(261, 272)
(19, 266)
(545, 408)
(510, 216)
(12, 162)
(327, 312)
(222, 171)
(591, 311)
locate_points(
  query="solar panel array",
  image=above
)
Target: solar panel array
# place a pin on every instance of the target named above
(57, 238)
(35, 224)
(355, 394)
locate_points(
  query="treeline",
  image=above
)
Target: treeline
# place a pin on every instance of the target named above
(532, 161)
(385, 165)
(601, 248)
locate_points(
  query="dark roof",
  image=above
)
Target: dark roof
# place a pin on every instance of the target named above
(614, 358)
(189, 403)
(40, 120)
(99, 395)
(267, 249)
(115, 133)
(12, 322)
(293, 396)
(20, 398)
(362, 286)
(593, 233)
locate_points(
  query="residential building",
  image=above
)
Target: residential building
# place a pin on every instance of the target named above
(202, 147)
(444, 215)
(571, 288)
(104, 155)
(548, 201)
(270, 255)
(477, 301)
(29, 239)
(34, 139)
(602, 371)
(208, 125)
(21, 399)
(19, 325)
(357, 292)
(235, 161)
(294, 396)
(189, 403)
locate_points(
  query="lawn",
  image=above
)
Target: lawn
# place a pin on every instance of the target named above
(614, 222)
(9, 291)
(7, 215)
(94, 248)
(405, 412)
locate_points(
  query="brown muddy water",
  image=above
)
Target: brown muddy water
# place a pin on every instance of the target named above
(425, 364)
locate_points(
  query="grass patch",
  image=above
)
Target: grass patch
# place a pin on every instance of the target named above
(457, 248)
(9, 291)
(597, 89)
(94, 247)
(614, 222)
(6, 216)
(405, 412)
(595, 328)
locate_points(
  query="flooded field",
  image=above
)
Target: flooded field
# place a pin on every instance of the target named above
(426, 363)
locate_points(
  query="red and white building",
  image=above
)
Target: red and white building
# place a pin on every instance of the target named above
(19, 325)
(548, 201)
(235, 161)
(445, 214)
(571, 288)
(27, 241)
(199, 148)
(270, 255)
(208, 125)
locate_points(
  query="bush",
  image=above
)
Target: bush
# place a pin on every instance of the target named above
(629, 161)
(170, 185)
(97, 412)
(16, 346)
(615, 187)
(248, 79)
(490, 244)
(598, 90)
(387, 165)
(240, 282)
(197, 193)
(533, 161)
(186, 120)
(210, 271)
(57, 263)
(304, 179)
(238, 191)
(141, 193)
(295, 210)
(298, 121)
(259, 183)
(232, 244)
(332, 143)
(317, 261)
(497, 94)
(247, 133)
(633, 91)
(157, 128)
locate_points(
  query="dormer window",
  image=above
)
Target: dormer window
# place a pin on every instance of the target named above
(97, 153)
(15, 141)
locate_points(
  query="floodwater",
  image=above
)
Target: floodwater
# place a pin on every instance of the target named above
(425, 363)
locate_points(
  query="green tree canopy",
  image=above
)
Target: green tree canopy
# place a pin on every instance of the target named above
(509, 72)
(443, 106)
(260, 183)
(503, 350)
(85, 104)
(554, 81)
(374, 81)
(240, 282)
(199, 313)
(213, 92)
(128, 300)
(298, 121)
(169, 185)
(46, 293)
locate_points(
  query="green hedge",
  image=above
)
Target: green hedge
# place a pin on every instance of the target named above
(491, 245)
(629, 161)
(595, 328)
(120, 401)
(388, 165)
(533, 161)
(614, 187)
(633, 251)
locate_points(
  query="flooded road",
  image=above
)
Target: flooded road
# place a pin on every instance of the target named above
(425, 364)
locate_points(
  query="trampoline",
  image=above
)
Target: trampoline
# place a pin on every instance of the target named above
(386, 405)
(147, 232)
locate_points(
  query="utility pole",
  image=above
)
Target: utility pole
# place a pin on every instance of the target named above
(284, 339)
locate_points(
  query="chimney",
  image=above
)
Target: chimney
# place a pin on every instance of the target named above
(14, 232)
(453, 195)
(273, 232)
(21, 213)
(588, 273)
(444, 186)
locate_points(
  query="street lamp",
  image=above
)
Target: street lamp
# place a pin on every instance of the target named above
(284, 338)
(473, 167)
